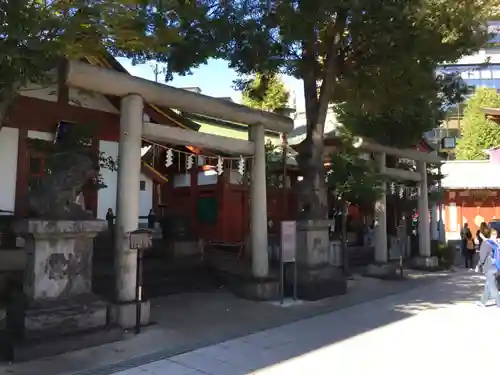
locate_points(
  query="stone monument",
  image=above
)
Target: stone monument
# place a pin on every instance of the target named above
(58, 311)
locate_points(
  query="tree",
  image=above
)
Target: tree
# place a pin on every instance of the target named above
(478, 133)
(351, 178)
(274, 96)
(75, 139)
(369, 51)
(37, 35)
(401, 123)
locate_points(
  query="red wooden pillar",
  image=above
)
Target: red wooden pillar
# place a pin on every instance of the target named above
(22, 173)
(90, 195)
(222, 195)
(194, 199)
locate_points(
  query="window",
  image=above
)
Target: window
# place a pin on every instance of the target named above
(142, 185)
(486, 74)
(36, 168)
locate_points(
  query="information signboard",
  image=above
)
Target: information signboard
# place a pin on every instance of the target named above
(288, 241)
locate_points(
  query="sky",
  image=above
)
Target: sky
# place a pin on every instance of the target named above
(214, 79)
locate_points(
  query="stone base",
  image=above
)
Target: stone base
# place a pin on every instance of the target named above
(124, 313)
(64, 317)
(384, 271)
(315, 283)
(44, 328)
(425, 263)
(257, 289)
(46, 347)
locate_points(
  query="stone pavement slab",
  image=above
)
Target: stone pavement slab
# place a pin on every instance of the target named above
(191, 321)
(436, 329)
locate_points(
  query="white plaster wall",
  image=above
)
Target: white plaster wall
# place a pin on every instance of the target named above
(9, 142)
(35, 134)
(146, 197)
(106, 198)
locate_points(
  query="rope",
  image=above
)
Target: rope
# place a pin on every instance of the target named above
(206, 157)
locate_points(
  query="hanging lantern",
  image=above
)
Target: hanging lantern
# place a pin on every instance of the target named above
(220, 165)
(170, 158)
(241, 165)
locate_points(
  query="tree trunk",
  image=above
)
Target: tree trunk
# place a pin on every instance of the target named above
(313, 195)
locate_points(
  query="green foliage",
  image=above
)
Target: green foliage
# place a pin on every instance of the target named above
(77, 139)
(478, 133)
(351, 178)
(36, 34)
(444, 252)
(378, 55)
(274, 164)
(401, 123)
(266, 93)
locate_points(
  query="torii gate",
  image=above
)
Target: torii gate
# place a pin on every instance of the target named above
(133, 91)
(424, 229)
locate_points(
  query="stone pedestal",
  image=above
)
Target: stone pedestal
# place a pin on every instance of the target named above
(316, 278)
(425, 263)
(56, 310)
(384, 271)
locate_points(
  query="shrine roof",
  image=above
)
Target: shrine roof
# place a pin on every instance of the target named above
(492, 112)
(160, 115)
(470, 174)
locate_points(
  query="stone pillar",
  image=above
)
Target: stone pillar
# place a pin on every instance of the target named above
(380, 233)
(423, 212)
(424, 260)
(381, 268)
(127, 207)
(434, 223)
(258, 205)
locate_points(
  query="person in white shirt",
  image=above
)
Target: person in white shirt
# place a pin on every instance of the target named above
(487, 266)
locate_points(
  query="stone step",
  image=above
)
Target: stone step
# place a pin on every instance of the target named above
(161, 278)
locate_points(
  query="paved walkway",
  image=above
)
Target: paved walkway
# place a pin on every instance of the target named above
(434, 329)
(187, 322)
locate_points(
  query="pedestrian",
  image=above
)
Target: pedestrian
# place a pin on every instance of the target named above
(479, 239)
(463, 241)
(110, 218)
(470, 250)
(487, 253)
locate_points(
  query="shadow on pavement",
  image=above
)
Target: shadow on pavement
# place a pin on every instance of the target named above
(200, 320)
(310, 335)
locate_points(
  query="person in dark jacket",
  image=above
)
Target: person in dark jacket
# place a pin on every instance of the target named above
(463, 241)
(470, 250)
